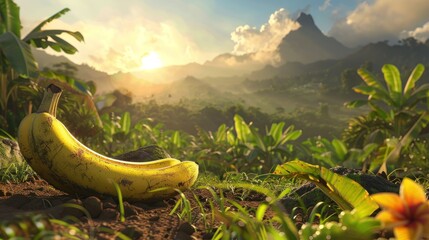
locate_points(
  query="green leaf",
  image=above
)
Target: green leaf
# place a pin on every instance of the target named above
(258, 140)
(356, 103)
(19, 54)
(392, 78)
(366, 90)
(41, 38)
(348, 194)
(176, 139)
(340, 149)
(125, 122)
(276, 131)
(10, 20)
(46, 21)
(369, 79)
(414, 77)
(412, 134)
(241, 128)
(290, 136)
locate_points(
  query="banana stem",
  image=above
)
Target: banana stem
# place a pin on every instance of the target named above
(50, 100)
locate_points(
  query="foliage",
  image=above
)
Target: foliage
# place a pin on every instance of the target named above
(348, 194)
(16, 173)
(350, 226)
(17, 61)
(397, 112)
(249, 150)
(393, 103)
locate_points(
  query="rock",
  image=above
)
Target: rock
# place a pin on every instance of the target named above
(132, 232)
(34, 204)
(73, 209)
(144, 154)
(187, 228)
(109, 202)
(109, 214)
(129, 210)
(9, 153)
(16, 201)
(183, 236)
(93, 205)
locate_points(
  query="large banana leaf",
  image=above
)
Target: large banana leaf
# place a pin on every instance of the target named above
(19, 54)
(50, 38)
(39, 27)
(10, 21)
(414, 77)
(242, 129)
(348, 194)
(392, 78)
(370, 79)
(394, 83)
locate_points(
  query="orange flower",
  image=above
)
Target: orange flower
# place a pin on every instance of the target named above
(407, 213)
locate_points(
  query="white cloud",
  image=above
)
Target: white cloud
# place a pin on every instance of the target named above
(380, 20)
(325, 5)
(420, 33)
(249, 39)
(120, 43)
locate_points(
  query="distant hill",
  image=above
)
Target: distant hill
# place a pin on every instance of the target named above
(84, 72)
(406, 55)
(308, 44)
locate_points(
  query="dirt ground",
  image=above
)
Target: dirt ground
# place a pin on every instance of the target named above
(20, 203)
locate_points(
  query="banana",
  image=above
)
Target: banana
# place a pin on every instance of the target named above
(58, 157)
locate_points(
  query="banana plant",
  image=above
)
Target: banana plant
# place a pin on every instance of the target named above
(401, 108)
(261, 151)
(16, 58)
(392, 102)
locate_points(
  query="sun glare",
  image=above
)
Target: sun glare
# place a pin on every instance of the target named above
(151, 61)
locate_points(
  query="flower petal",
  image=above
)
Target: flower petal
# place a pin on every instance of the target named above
(390, 201)
(410, 232)
(412, 193)
(390, 220)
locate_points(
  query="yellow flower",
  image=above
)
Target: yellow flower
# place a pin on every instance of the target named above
(407, 213)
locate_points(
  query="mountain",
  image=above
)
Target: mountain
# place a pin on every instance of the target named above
(405, 55)
(103, 81)
(308, 44)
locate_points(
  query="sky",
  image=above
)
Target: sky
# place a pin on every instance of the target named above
(131, 35)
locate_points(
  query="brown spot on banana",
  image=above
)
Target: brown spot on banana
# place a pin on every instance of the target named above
(125, 182)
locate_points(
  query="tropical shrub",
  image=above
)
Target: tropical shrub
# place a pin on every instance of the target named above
(397, 113)
(17, 61)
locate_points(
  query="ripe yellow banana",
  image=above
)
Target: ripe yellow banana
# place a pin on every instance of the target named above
(58, 157)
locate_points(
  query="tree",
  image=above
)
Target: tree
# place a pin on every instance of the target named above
(16, 59)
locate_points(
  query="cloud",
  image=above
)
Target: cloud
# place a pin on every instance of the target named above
(325, 5)
(380, 20)
(420, 33)
(265, 39)
(120, 43)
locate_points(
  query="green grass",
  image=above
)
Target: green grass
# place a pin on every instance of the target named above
(16, 173)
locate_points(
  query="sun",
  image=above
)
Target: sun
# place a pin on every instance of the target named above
(151, 61)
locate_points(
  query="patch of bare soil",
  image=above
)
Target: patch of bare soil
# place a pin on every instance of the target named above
(18, 202)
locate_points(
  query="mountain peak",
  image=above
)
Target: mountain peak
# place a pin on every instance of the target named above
(305, 20)
(308, 44)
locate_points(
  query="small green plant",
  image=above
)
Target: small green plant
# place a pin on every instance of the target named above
(120, 202)
(183, 208)
(350, 226)
(16, 173)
